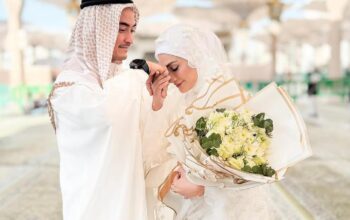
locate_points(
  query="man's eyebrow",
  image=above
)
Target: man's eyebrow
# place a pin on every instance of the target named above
(126, 24)
(169, 64)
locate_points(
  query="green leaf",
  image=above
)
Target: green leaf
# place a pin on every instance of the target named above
(235, 155)
(222, 110)
(257, 169)
(209, 144)
(262, 169)
(213, 141)
(260, 122)
(267, 170)
(268, 125)
(260, 116)
(247, 168)
(270, 172)
(201, 127)
(212, 151)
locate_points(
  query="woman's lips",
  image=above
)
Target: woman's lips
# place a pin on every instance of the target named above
(178, 84)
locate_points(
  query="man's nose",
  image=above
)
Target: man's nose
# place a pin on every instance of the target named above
(129, 38)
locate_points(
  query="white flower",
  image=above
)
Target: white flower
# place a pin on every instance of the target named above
(242, 141)
(236, 163)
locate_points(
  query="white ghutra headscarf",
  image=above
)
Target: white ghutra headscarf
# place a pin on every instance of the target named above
(200, 47)
(93, 39)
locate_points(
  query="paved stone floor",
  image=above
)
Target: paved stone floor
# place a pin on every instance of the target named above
(317, 188)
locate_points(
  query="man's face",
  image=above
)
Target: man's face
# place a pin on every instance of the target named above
(127, 26)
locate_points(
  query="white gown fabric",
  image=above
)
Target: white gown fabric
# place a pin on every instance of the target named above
(204, 51)
(158, 163)
(97, 108)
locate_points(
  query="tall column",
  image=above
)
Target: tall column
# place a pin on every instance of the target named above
(348, 61)
(335, 68)
(336, 13)
(1, 58)
(14, 41)
(240, 46)
(273, 51)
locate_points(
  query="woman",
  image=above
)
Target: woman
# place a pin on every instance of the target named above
(196, 62)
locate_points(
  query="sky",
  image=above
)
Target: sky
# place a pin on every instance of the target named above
(41, 15)
(52, 18)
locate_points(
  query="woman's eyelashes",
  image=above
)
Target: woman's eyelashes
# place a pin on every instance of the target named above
(174, 68)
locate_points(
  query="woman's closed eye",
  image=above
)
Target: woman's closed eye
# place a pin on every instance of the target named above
(173, 68)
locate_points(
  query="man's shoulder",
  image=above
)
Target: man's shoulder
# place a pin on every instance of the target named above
(76, 78)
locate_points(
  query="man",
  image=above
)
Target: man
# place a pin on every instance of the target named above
(96, 108)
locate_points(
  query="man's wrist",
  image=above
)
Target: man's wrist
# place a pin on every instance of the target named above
(156, 105)
(140, 64)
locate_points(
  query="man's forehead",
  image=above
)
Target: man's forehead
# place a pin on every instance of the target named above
(127, 17)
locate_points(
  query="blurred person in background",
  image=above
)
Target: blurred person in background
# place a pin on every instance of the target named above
(314, 78)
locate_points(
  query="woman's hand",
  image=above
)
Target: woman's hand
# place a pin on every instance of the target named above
(184, 187)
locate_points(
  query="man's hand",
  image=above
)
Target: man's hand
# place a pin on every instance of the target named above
(159, 88)
(184, 187)
(155, 71)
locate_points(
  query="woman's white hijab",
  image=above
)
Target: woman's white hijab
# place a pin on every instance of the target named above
(200, 47)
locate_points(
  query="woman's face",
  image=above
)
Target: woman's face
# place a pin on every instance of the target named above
(182, 75)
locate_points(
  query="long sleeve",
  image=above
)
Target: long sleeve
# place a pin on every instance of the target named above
(84, 104)
(99, 140)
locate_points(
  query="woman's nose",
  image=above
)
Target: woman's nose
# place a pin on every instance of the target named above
(172, 78)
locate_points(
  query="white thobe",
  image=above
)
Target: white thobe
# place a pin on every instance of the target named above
(99, 141)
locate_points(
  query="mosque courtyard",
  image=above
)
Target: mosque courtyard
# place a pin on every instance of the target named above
(317, 188)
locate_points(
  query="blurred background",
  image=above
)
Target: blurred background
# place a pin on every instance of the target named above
(303, 45)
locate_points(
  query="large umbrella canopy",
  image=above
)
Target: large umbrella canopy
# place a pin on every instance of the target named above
(47, 40)
(334, 10)
(312, 32)
(219, 20)
(346, 30)
(243, 8)
(223, 17)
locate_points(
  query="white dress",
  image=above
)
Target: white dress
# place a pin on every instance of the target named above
(203, 50)
(99, 140)
(217, 202)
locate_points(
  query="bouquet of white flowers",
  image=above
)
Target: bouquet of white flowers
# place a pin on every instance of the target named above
(239, 139)
(227, 139)
(241, 143)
